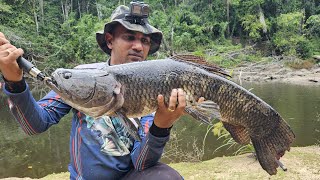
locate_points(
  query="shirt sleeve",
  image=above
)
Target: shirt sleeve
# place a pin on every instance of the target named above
(36, 117)
(149, 151)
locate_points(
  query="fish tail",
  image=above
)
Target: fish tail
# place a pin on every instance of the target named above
(273, 146)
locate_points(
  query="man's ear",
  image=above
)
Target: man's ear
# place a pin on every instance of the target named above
(109, 38)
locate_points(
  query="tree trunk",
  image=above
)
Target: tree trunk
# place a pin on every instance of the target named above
(302, 20)
(88, 4)
(79, 8)
(262, 20)
(65, 6)
(171, 39)
(35, 15)
(63, 12)
(71, 5)
(228, 17)
(41, 10)
(99, 14)
(66, 9)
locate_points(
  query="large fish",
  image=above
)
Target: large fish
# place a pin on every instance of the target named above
(131, 90)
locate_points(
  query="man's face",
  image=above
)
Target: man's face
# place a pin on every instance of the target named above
(127, 46)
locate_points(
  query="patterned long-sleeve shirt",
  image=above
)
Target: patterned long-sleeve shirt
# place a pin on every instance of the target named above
(99, 148)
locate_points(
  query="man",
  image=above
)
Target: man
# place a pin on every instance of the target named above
(101, 148)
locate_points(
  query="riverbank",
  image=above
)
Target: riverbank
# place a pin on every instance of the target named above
(277, 71)
(301, 162)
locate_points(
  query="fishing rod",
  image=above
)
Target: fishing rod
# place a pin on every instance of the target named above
(31, 69)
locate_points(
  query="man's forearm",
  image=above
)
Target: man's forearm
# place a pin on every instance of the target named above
(148, 152)
(32, 117)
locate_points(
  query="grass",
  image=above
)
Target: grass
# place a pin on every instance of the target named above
(301, 64)
(302, 163)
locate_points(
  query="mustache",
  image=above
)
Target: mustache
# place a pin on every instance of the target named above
(139, 54)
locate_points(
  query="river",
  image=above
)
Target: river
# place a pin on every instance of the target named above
(37, 156)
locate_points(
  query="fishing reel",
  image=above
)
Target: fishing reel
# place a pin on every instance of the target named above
(138, 13)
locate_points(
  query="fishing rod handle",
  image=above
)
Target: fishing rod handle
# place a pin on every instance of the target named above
(28, 67)
(24, 64)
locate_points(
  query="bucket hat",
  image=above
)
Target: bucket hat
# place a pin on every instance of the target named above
(118, 16)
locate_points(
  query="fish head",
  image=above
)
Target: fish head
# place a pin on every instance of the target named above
(92, 91)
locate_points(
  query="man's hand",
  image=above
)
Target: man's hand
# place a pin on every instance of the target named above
(8, 64)
(167, 115)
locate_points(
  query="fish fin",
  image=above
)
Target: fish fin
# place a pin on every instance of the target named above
(201, 63)
(238, 133)
(130, 127)
(272, 146)
(204, 111)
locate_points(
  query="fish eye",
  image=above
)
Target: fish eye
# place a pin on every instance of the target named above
(67, 75)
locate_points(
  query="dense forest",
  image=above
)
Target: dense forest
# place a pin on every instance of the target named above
(60, 33)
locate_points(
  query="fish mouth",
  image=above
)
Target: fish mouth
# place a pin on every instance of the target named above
(52, 83)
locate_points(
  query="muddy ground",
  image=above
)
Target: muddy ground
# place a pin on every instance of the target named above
(301, 163)
(276, 71)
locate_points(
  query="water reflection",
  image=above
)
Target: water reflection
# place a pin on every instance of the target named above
(39, 155)
(36, 156)
(298, 105)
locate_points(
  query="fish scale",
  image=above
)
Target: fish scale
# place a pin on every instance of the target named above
(131, 90)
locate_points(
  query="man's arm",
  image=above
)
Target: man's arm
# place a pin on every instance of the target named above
(148, 152)
(34, 117)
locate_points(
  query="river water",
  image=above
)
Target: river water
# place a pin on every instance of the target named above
(37, 156)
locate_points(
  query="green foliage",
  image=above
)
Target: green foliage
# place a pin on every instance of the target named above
(303, 48)
(315, 45)
(227, 55)
(62, 34)
(289, 38)
(219, 130)
(253, 26)
(289, 22)
(4, 8)
(185, 42)
(228, 142)
(313, 26)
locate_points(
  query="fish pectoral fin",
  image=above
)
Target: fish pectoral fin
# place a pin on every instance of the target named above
(130, 127)
(204, 112)
(238, 133)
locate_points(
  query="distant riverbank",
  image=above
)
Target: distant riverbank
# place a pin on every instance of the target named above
(276, 71)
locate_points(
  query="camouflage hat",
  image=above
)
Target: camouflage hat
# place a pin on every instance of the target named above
(118, 16)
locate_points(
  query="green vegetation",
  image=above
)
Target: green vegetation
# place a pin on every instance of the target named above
(221, 132)
(62, 33)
